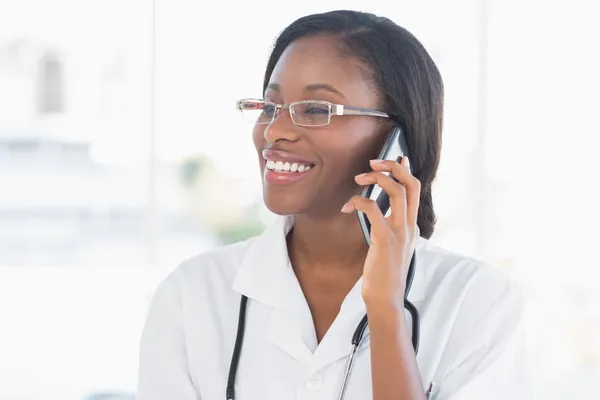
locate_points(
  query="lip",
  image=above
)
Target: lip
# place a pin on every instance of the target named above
(280, 155)
(284, 178)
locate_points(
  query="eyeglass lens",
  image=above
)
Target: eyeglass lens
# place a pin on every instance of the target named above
(306, 113)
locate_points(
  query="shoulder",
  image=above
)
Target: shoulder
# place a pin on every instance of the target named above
(215, 268)
(468, 291)
(450, 273)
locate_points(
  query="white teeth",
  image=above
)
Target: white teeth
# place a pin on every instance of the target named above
(280, 166)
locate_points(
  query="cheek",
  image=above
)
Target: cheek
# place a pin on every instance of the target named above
(354, 145)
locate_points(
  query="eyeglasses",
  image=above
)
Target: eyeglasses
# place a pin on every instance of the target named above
(302, 113)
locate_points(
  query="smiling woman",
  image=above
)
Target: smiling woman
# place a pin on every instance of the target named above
(273, 317)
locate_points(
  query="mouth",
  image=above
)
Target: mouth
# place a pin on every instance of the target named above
(283, 168)
(286, 167)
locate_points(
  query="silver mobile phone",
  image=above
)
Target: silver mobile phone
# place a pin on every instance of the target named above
(394, 148)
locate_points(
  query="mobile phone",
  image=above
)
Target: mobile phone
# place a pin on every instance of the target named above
(394, 148)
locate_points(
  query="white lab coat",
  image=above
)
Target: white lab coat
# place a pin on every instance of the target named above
(471, 343)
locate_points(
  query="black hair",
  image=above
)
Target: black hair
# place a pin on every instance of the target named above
(403, 74)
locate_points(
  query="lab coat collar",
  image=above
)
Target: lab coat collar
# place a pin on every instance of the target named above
(264, 276)
(267, 261)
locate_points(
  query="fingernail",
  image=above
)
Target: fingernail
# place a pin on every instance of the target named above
(376, 161)
(348, 208)
(407, 162)
(365, 178)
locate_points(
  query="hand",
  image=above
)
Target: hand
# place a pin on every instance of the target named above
(392, 237)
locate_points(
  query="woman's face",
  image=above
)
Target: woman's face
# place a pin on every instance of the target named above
(312, 69)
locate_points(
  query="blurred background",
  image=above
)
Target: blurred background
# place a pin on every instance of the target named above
(121, 154)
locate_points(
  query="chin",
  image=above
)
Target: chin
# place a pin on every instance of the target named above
(284, 206)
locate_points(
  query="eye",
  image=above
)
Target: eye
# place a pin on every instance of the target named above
(316, 110)
(269, 108)
(313, 108)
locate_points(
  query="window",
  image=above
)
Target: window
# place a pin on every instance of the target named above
(51, 85)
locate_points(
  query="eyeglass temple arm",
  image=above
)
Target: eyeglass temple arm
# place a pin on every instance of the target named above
(239, 105)
(338, 109)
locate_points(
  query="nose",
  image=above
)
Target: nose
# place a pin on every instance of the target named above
(282, 128)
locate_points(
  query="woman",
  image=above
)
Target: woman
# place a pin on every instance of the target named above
(310, 278)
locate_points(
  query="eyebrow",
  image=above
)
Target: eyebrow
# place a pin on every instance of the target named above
(309, 88)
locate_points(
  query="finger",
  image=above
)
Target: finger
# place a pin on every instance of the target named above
(379, 227)
(395, 191)
(401, 172)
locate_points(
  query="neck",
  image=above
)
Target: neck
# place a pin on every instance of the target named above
(327, 242)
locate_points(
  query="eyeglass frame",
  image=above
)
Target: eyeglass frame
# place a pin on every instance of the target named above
(334, 109)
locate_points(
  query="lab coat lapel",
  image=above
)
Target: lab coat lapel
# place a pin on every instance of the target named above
(265, 276)
(284, 332)
(263, 266)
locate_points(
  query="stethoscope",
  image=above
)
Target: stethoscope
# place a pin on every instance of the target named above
(356, 337)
